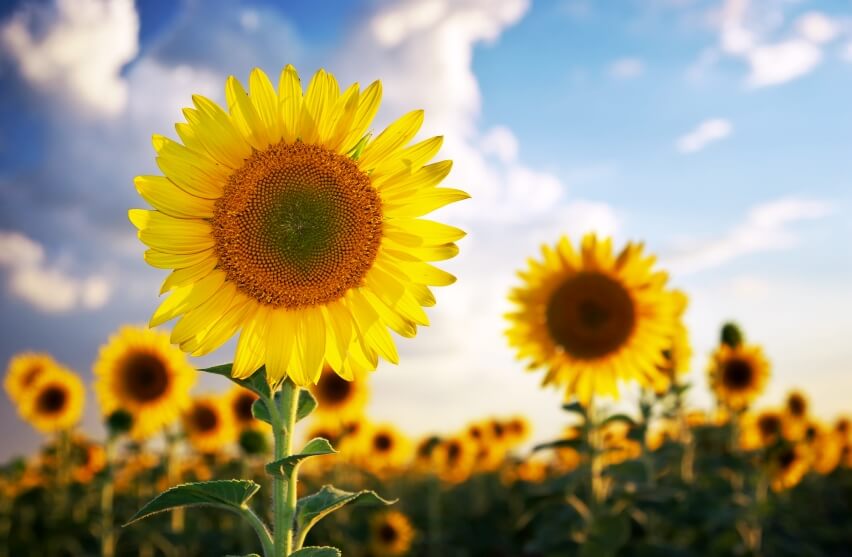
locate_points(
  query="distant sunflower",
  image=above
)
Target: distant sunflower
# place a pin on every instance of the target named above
(338, 397)
(616, 445)
(208, 424)
(761, 430)
(678, 355)
(385, 448)
(424, 453)
(23, 370)
(138, 371)
(54, 402)
(518, 429)
(592, 318)
(391, 534)
(738, 375)
(661, 432)
(825, 448)
(286, 220)
(568, 458)
(454, 458)
(240, 402)
(787, 466)
(796, 415)
(87, 460)
(477, 432)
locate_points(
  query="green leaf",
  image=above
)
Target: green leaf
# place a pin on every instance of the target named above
(249, 555)
(256, 383)
(619, 418)
(576, 444)
(260, 411)
(307, 402)
(230, 494)
(575, 407)
(312, 508)
(317, 552)
(315, 447)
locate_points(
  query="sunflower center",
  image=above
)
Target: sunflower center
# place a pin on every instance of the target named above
(388, 533)
(382, 442)
(786, 458)
(144, 376)
(242, 407)
(204, 419)
(590, 315)
(334, 389)
(737, 374)
(769, 425)
(297, 225)
(52, 400)
(797, 406)
(454, 452)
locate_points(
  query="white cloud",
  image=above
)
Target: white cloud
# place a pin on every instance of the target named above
(708, 131)
(47, 287)
(782, 62)
(501, 142)
(75, 49)
(817, 27)
(627, 68)
(766, 227)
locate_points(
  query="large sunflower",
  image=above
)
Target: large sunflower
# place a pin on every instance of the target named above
(54, 402)
(138, 371)
(738, 374)
(23, 371)
(208, 424)
(340, 398)
(391, 534)
(284, 219)
(593, 317)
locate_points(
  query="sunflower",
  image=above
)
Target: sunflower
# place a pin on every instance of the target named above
(338, 397)
(530, 470)
(787, 466)
(662, 432)
(391, 534)
(761, 430)
(88, 459)
(240, 402)
(54, 402)
(738, 375)
(283, 218)
(425, 452)
(454, 458)
(591, 318)
(518, 430)
(825, 448)
(23, 370)
(795, 415)
(138, 371)
(208, 424)
(678, 355)
(616, 445)
(384, 448)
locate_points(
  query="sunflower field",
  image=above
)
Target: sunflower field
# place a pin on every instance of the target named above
(285, 221)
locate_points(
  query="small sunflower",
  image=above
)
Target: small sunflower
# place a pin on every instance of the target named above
(530, 470)
(616, 445)
(679, 353)
(825, 448)
(738, 375)
(592, 318)
(208, 424)
(454, 458)
(54, 402)
(518, 430)
(87, 459)
(240, 402)
(787, 466)
(385, 448)
(425, 452)
(338, 397)
(761, 430)
(795, 415)
(284, 219)
(23, 371)
(391, 534)
(138, 371)
(661, 432)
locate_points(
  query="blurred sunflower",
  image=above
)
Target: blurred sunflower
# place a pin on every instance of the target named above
(391, 534)
(338, 397)
(477, 432)
(138, 371)
(531, 470)
(661, 432)
(568, 458)
(385, 448)
(678, 355)
(240, 402)
(787, 466)
(54, 402)
(518, 430)
(208, 424)
(825, 449)
(592, 318)
(761, 430)
(87, 459)
(616, 445)
(795, 415)
(424, 453)
(23, 370)
(284, 219)
(738, 374)
(454, 458)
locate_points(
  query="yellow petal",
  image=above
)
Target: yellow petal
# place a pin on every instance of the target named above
(421, 232)
(244, 115)
(166, 197)
(368, 105)
(216, 130)
(188, 275)
(196, 320)
(311, 347)
(187, 297)
(251, 348)
(290, 92)
(265, 102)
(280, 342)
(396, 136)
(371, 327)
(425, 202)
(170, 235)
(162, 260)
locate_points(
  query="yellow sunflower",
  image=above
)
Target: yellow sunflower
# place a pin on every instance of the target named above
(54, 402)
(518, 430)
(761, 430)
(616, 445)
(138, 371)
(240, 402)
(338, 397)
(825, 448)
(385, 448)
(23, 370)
(87, 459)
(208, 424)
(738, 375)
(787, 466)
(663, 431)
(678, 355)
(425, 453)
(593, 317)
(567, 459)
(285, 219)
(795, 415)
(391, 534)
(454, 458)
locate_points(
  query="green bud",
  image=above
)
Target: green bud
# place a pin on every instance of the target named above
(732, 335)
(119, 422)
(253, 442)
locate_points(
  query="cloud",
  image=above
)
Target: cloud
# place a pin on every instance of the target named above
(708, 131)
(817, 27)
(626, 68)
(45, 286)
(781, 62)
(501, 142)
(75, 50)
(766, 227)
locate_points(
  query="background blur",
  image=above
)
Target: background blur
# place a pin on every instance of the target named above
(718, 132)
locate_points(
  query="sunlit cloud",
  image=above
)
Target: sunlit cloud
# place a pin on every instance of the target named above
(707, 132)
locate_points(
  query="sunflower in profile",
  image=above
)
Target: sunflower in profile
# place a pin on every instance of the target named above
(285, 220)
(338, 397)
(518, 430)
(787, 466)
(593, 317)
(384, 448)
(738, 374)
(795, 415)
(23, 370)
(454, 458)
(391, 534)
(761, 430)
(138, 371)
(425, 452)
(208, 424)
(240, 402)
(54, 402)
(616, 445)
(678, 355)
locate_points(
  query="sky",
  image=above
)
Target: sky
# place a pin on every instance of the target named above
(717, 132)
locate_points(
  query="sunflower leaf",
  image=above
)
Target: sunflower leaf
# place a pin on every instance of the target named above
(260, 411)
(560, 444)
(619, 418)
(306, 403)
(256, 383)
(317, 552)
(313, 508)
(575, 407)
(315, 447)
(228, 494)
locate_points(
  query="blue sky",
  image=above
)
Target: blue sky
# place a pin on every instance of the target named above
(716, 131)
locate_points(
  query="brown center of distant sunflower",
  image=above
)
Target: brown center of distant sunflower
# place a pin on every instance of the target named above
(144, 377)
(52, 399)
(590, 315)
(204, 419)
(454, 452)
(297, 225)
(769, 425)
(333, 390)
(382, 442)
(796, 405)
(242, 407)
(387, 533)
(786, 458)
(737, 374)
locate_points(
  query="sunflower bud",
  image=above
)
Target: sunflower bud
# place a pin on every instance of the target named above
(732, 335)
(119, 422)
(253, 442)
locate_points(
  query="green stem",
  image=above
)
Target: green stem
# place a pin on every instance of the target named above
(261, 529)
(284, 496)
(107, 500)
(293, 481)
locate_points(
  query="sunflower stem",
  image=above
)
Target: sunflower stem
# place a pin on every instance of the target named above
(284, 492)
(107, 501)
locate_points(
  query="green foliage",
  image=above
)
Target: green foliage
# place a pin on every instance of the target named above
(257, 382)
(317, 552)
(313, 508)
(227, 494)
(315, 447)
(731, 335)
